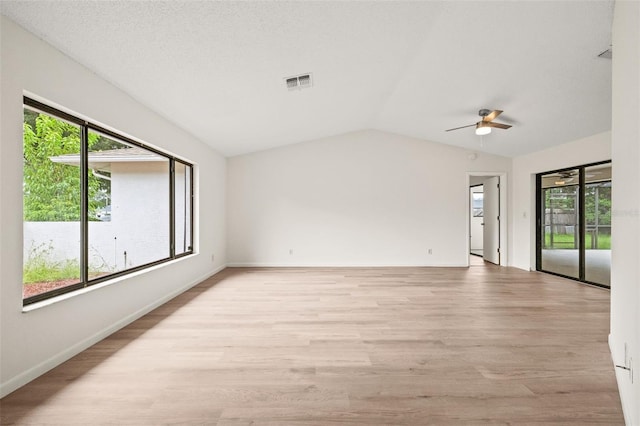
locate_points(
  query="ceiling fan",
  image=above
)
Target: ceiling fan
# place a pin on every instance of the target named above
(483, 127)
(564, 177)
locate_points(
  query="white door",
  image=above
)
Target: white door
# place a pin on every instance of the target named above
(491, 231)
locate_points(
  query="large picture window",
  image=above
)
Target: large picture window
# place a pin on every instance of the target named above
(96, 204)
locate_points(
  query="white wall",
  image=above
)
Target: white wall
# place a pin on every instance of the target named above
(362, 198)
(625, 239)
(33, 342)
(522, 242)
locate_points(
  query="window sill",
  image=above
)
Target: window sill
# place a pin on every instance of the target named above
(56, 299)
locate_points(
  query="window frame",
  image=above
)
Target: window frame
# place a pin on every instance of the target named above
(188, 166)
(86, 127)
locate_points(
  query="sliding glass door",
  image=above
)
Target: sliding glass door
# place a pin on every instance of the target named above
(574, 223)
(561, 223)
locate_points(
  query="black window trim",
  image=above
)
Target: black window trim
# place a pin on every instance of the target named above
(85, 127)
(188, 166)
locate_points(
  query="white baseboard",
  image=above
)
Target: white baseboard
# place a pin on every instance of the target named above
(32, 373)
(335, 265)
(626, 410)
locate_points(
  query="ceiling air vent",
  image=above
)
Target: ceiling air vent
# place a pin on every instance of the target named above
(299, 82)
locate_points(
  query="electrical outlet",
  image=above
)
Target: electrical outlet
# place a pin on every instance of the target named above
(290, 251)
(430, 251)
(213, 257)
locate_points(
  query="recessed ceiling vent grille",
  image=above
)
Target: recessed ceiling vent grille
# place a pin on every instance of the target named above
(299, 82)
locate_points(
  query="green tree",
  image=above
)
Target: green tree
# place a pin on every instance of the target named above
(603, 204)
(51, 189)
(561, 198)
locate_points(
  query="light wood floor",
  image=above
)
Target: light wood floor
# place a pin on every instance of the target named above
(446, 346)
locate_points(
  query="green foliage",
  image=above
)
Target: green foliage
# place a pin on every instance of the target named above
(561, 198)
(39, 267)
(597, 202)
(52, 190)
(600, 195)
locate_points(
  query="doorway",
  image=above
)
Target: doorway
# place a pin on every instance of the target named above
(486, 213)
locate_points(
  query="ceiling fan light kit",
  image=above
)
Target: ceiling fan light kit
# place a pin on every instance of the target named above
(482, 129)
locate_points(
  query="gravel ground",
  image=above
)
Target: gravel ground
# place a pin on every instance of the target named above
(33, 289)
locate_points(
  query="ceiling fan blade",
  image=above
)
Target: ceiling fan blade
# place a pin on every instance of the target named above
(492, 115)
(497, 125)
(456, 128)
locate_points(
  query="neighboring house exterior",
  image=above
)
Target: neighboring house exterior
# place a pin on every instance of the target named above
(137, 230)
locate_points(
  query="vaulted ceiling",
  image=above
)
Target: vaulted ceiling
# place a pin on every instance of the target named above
(217, 69)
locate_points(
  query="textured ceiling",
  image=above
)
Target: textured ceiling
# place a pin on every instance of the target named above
(217, 69)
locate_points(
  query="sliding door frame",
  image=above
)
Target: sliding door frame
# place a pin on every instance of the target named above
(581, 219)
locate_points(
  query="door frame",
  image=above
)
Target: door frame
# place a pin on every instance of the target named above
(504, 250)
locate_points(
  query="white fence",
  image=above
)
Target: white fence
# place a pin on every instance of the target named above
(109, 247)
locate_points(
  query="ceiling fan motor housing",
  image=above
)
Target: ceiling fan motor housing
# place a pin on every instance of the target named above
(484, 112)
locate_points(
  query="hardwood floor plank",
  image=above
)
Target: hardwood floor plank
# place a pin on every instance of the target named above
(483, 345)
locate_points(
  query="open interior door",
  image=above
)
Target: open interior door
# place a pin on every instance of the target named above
(491, 231)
